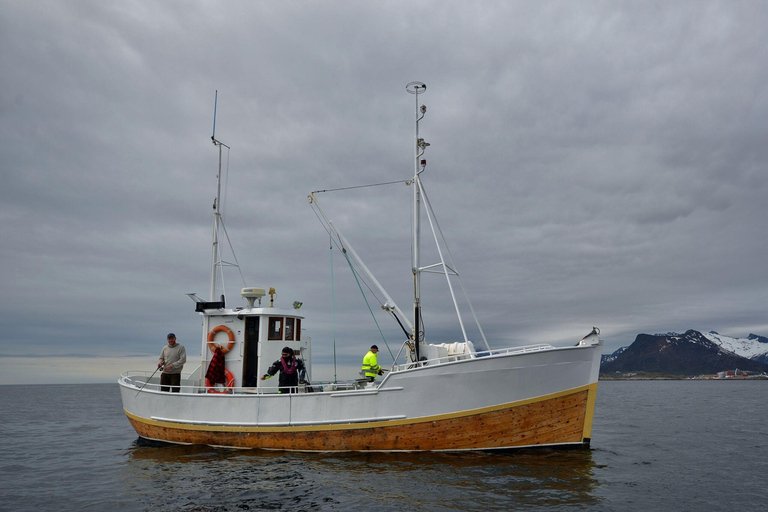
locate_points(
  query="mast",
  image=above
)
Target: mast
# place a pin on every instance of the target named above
(417, 88)
(216, 212)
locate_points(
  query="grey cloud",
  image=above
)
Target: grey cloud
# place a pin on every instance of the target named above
(591, 164)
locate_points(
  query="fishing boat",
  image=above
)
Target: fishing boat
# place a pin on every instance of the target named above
(438, 395)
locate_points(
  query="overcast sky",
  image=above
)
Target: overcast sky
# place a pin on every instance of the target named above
(591, 164)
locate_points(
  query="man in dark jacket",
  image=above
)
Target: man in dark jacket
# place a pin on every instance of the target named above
(289, 367)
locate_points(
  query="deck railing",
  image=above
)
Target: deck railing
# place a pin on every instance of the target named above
(486, 353)
(191, 383)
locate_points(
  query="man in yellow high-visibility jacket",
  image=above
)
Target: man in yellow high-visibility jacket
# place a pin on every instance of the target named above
(371, 366)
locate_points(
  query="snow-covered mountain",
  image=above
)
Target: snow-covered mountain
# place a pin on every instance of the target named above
(690, 353)
(607, 358)
(752, 347)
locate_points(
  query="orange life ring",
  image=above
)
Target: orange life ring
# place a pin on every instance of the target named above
(227, 389)
(212, 334)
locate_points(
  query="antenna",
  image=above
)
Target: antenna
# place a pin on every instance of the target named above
(215, 103)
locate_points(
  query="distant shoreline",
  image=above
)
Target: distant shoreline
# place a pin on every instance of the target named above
(662, 376)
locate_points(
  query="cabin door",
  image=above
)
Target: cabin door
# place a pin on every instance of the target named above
(251, 362)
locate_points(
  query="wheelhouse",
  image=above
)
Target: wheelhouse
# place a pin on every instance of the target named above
(252, 339)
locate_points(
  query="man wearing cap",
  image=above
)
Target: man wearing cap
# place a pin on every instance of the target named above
(371, 366)
(172, 359)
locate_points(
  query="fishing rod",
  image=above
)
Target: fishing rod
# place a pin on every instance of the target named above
(149, 379)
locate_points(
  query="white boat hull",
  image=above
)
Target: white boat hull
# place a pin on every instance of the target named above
(543, 397)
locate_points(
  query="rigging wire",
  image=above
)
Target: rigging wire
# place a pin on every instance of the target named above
(359, 279)
(340, 246)
(224, 202)
(452, 267)
(367, 304)
(360, 186)
(354, 267)
(225, 263)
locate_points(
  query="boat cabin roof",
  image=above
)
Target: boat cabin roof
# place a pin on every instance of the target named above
(251, 312)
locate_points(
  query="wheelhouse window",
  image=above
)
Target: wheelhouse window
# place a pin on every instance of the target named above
(275, 328)
(279, 326)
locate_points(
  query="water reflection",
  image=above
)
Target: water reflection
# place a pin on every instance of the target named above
(224, 479)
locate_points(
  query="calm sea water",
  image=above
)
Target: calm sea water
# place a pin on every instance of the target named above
(664, 445)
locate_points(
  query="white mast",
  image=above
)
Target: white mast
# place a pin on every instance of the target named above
(215, 254)
(417, 88)
(419, 196)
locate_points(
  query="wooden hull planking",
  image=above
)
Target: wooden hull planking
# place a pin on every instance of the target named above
(560, 419)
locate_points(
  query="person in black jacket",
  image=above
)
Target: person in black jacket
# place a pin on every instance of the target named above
(289, 367)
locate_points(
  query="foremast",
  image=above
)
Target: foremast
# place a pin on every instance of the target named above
(217, 262)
